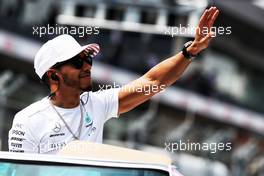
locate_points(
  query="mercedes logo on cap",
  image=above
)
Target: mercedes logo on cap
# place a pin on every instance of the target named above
(57, 127)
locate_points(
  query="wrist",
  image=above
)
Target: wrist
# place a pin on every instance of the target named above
(189, 50)
(193, 49)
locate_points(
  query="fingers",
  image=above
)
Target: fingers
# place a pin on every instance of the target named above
(216, 13)
(208, 17)
(213, 16)
(204, 17)
(207, 38)
(203, 32)
(211, 11)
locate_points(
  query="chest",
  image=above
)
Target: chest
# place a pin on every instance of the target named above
(58, 132)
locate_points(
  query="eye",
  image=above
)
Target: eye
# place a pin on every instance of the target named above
(89, 60)
(77, 63)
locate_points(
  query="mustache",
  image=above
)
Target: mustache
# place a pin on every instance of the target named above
(85, 73)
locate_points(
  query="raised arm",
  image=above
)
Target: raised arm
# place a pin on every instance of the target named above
(168, 71)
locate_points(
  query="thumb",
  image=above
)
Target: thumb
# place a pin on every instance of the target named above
(208, 37)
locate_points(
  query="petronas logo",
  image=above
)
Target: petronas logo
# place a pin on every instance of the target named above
(88, 120)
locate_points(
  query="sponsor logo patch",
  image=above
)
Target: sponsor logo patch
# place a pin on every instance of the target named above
(19, 125)
(17, 139)
(19, 133)
(18, 151)
(55, 135)
(92, 131)
(17, 145)
(57, 145)
(57, 127)
(88, 121)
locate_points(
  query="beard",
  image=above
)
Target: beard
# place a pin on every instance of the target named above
(83, 87)
(88, 88)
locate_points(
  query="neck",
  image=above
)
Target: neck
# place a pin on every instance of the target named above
(66, 99)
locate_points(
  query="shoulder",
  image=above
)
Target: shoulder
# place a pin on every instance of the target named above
(32, 110)
(104, 102)
(100, 95)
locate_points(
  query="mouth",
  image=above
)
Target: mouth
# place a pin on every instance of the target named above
(85, 75)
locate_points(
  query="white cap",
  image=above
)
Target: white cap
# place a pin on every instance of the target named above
(59, 49)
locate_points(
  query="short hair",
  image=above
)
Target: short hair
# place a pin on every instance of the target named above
(45, 80)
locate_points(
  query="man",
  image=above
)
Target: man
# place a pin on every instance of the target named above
(72, 111)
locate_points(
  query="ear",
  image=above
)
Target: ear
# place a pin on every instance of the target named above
(54, 80)
(52, 75)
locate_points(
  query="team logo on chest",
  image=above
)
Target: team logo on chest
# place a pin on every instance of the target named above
(57, 127)
(88, 120)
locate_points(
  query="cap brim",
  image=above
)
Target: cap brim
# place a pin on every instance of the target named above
(91, 49)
